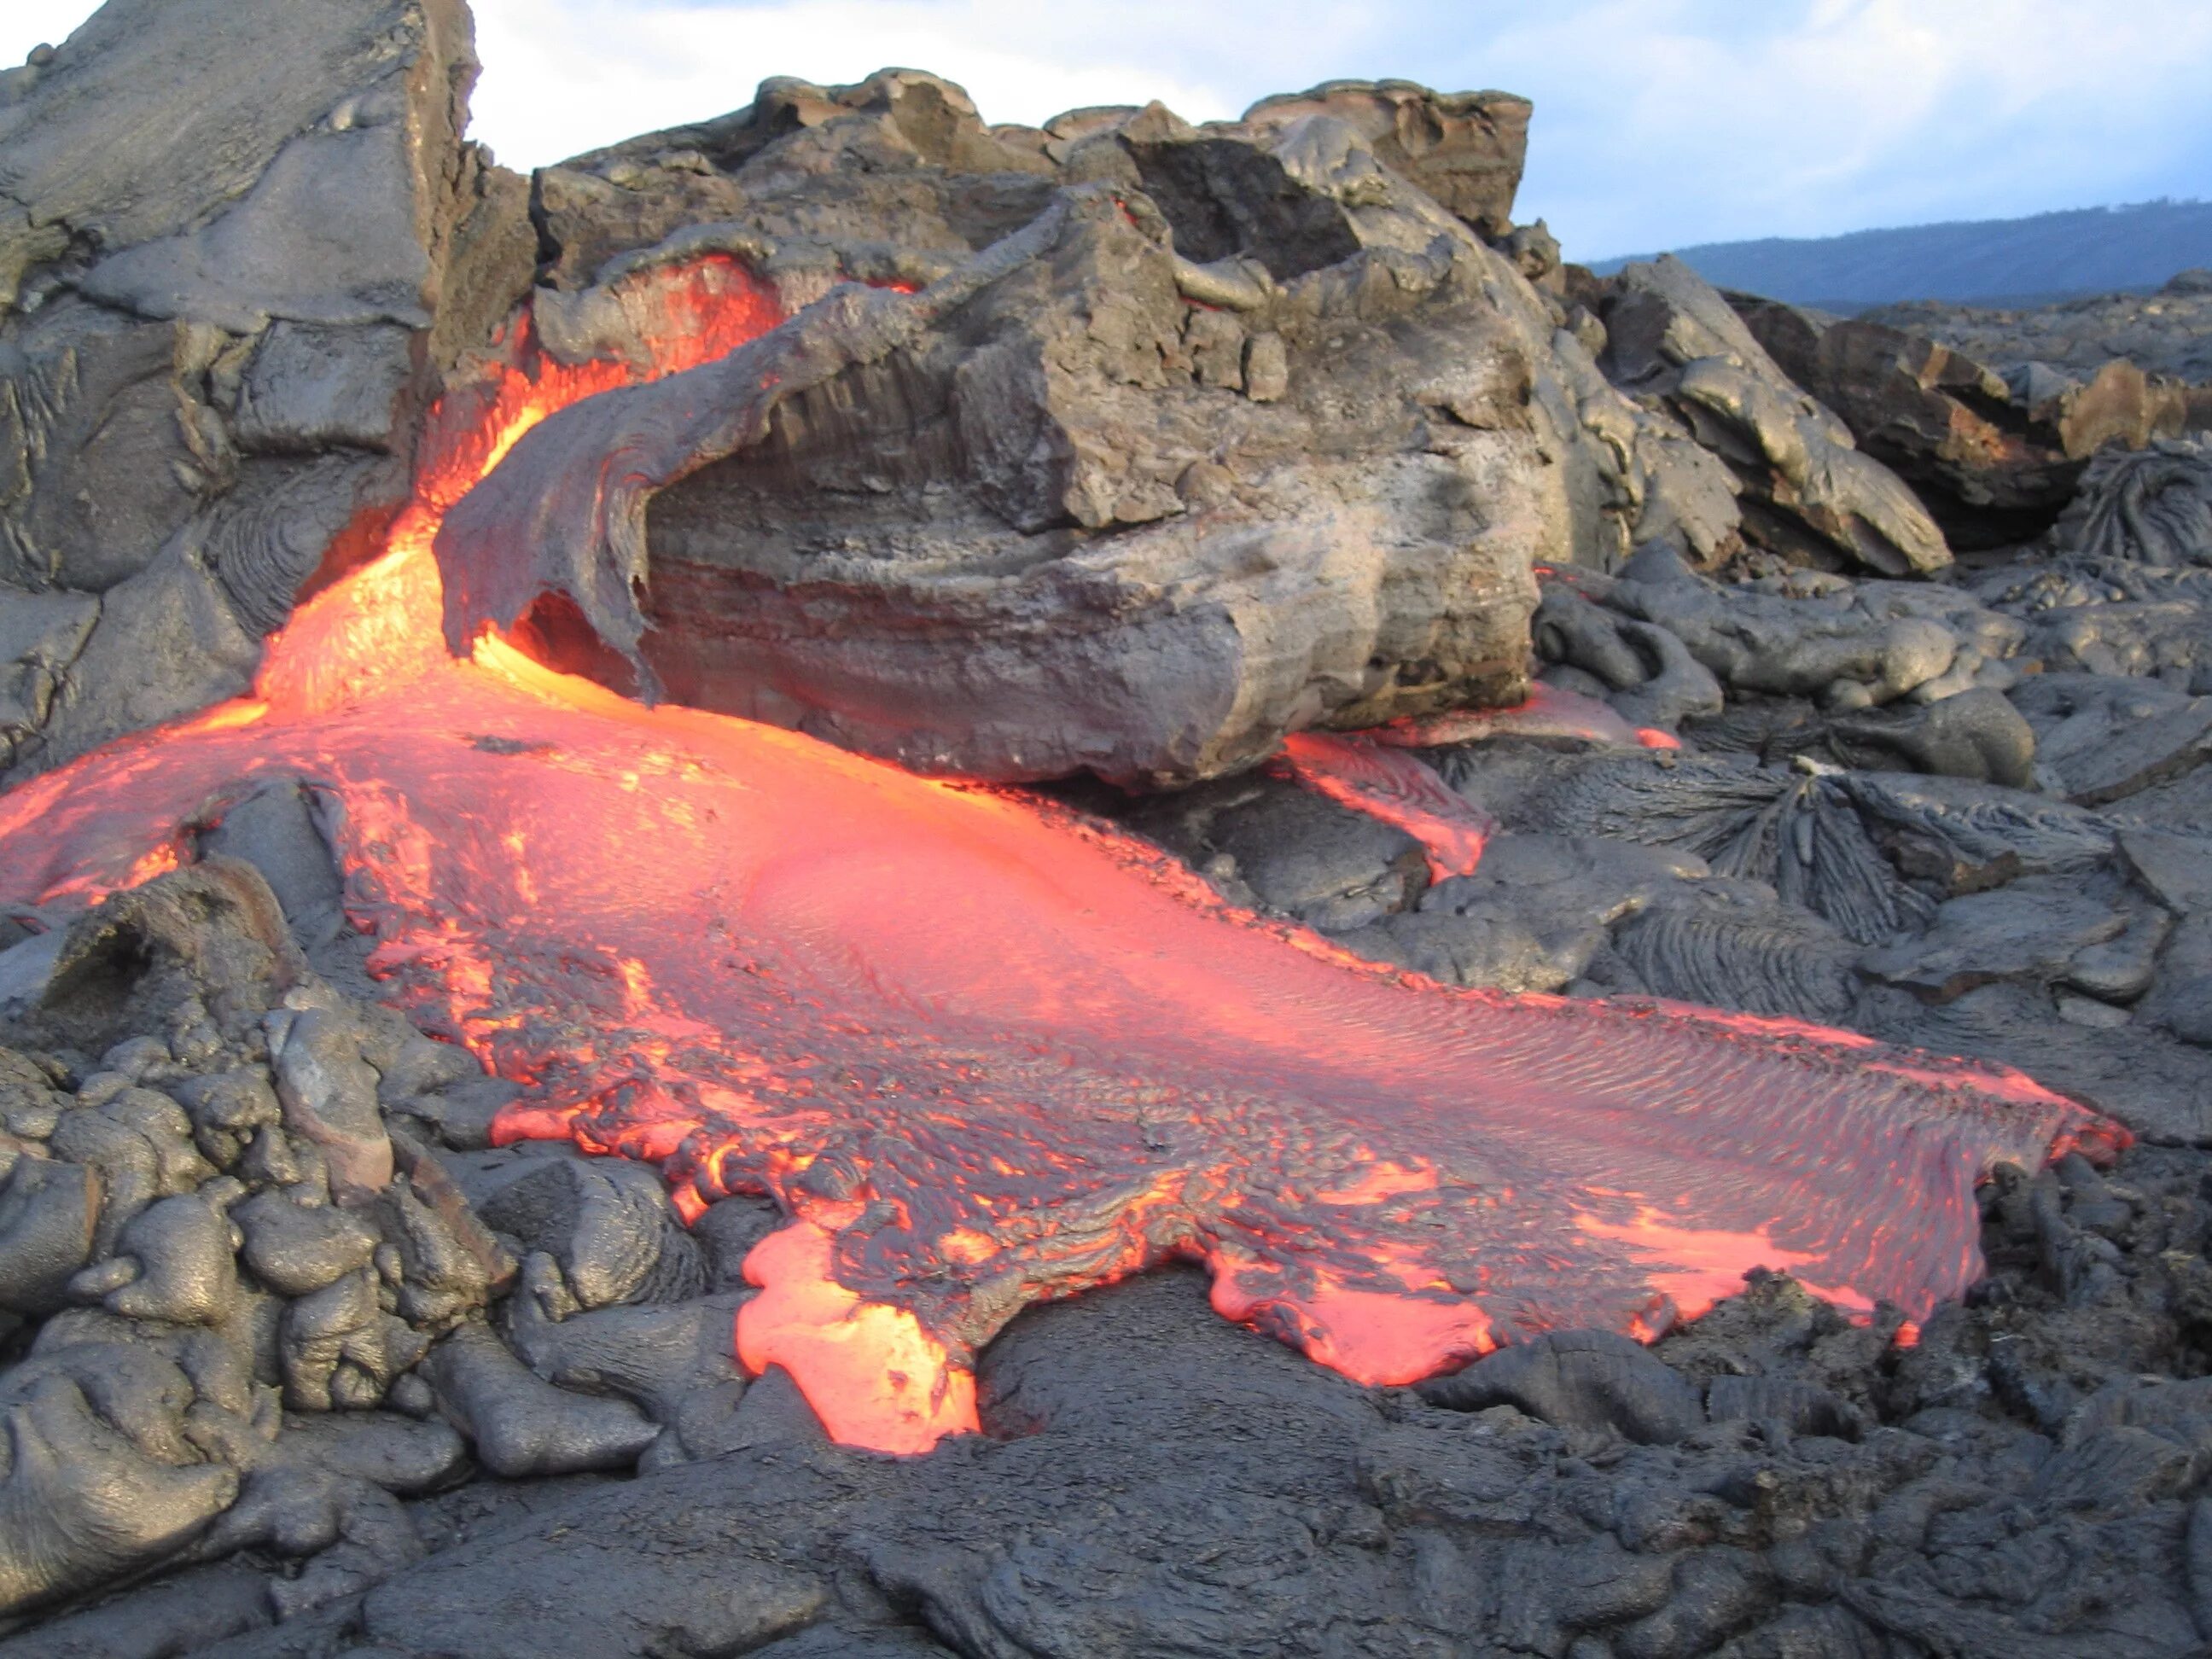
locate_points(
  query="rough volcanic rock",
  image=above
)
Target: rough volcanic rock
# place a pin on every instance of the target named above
(2110, 616)
(211, 1223)
(1855, 646)
(225, 295)
(1810, 493)
(1994, 469)
(2167, 333)
(1465, 149)
(1771, 1480)
(1128, 495)
(894, 178)
(2103, 737)
(2154, 507)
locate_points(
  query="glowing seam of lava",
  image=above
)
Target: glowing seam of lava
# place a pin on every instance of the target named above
(1396, 788)
(984, 1052)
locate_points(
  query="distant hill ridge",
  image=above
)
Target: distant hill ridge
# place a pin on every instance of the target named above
(2012, 262)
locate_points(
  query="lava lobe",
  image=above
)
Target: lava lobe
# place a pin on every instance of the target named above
(984, 1052)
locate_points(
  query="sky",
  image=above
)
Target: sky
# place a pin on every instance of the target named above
(1659, 123)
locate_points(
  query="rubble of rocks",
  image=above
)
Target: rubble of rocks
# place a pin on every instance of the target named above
(250, 1240)
(1996, 457)
(2167, 333)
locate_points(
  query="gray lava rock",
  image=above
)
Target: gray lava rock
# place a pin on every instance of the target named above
(1670, 335)
(2153, 507)
(179, 1252)
(1466, 149)
(608, 1223)
(101, 1480)
(2181, 1000)
(224, 231)
(2159, 1086)
(2175, 870)
(48, 1211)
(275, 829)
(2167, 334)
(2107, 738)
(1994, 468)
(655, 1356)
(1853, 645)
(295, 1250)
(402, 1456)
(183, 1614)
(1306, 857)
(354, 1534)
(2113, 616)
(1805, 839)
(1730, 945)
(1532, 915)
(726, 1233)
(340, 1350)
(1064, 553)
(212, 932)
(328, 1094)
(2034, 929)
(1961, 836)
(1976, 735)
(520, 1425)
(41, 635)
(1579, 1380)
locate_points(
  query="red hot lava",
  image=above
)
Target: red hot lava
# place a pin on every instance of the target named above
(984, 1053)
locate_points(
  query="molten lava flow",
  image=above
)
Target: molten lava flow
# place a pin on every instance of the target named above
(984, 1052)
(1398, 789)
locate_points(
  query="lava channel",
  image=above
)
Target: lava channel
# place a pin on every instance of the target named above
(984, 1052)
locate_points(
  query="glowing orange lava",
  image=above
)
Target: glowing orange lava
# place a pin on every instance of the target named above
(984, 1052)
(1395, 787)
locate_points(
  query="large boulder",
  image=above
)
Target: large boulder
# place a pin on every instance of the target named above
(240, 240)
(898, 179)
(1073, 505)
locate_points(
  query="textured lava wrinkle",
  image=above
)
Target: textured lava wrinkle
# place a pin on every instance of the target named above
(984, 1052)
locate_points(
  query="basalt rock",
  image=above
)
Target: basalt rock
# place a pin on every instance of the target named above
(225, 298)
(1663, 642)
(1467, 149)
(2152, 508)
(1106, 511)
(269, 1300)
(2103, 737)
(2168, 333)
(1810, 494)
(1995, 468)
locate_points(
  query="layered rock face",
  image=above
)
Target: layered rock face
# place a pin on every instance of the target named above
(1995, 459)
(1160, 387)
(226, 296)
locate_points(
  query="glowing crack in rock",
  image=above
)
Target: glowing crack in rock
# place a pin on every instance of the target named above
(1397, 788)
(984, 1052)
